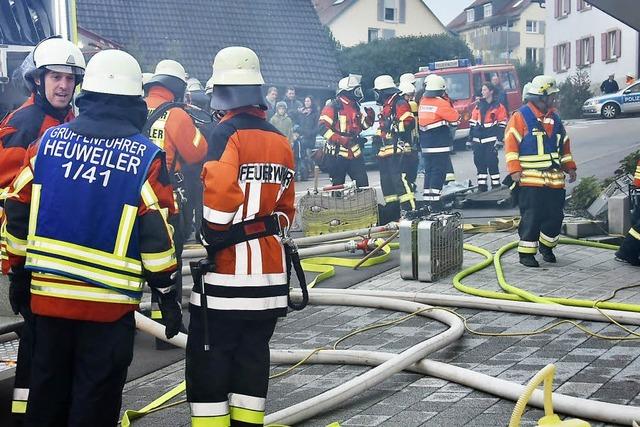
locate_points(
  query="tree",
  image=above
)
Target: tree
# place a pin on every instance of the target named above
(399, 55)
(527, 71)
(573, 93)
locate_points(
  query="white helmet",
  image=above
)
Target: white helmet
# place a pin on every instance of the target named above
(113, 72)
(208, 88)
(525, 91)
(146, 77)
(58, 54)
(171, 75)
(434, 83)
(384, 81)
(169, 67)
(235, 66)
(406, 88)
(408, 77)
(543, 85)
(194, 85)
(630, 75)
(350, 82)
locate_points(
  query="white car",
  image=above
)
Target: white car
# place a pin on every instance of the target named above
(611, 105)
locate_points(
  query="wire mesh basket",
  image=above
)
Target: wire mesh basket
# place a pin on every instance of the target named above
(337, 209)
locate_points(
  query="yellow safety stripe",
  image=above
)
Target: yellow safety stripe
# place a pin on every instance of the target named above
(450, 177)
(218, 421)
(515, 133)
(539, 157)
(80, 292)
(156, 314)
(247, 415)
(405, 115)
(197, 138)
(511, 156)
(127, 221)
(343, 123)
(94, 256)
(161, 261)
(548, 241)
(35, 205)
(151, 201)
(526, 250)
(157, 130)
(634, 233)
(536, 165)
(18, 407)
(566, 158)
(14, 245)
(24, 177)
(326, 119)
(636, 175)
(328, 134)
(408, 196)
(391, 198)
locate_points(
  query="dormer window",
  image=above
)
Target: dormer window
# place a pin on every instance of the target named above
(488, 10)
(471, 15)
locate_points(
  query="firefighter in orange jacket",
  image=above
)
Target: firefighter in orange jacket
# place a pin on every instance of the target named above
(93, 206)
(538, 154)
(395, 123)
(177, 135)
(410, 156)
(51, 73)
(436, 115)
(487, 123)
(630, 248)
(248, 195)
(340, 124)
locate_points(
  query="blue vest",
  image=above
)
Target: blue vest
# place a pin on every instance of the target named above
(84, 210)
(537, 149)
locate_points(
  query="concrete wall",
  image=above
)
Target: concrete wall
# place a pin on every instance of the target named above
(581, 24)
(352, 26)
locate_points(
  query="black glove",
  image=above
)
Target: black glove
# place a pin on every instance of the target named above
(171, 313)
(19, 292)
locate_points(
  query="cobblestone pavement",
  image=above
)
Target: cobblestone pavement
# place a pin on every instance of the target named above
(587, 367)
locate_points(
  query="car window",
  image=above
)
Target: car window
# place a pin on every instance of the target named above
(634, 89)
(506, 80)
(458, 85)
(478, 79)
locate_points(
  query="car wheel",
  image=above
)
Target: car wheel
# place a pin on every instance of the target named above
(610, 111)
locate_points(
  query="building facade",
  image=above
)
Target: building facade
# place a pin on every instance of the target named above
(582, 37)
(355, 21)
(500, 31)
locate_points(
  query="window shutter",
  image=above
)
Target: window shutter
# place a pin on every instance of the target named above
(403, 11)
(567, 4)
(541, 27)
(592, 49)
(567, 56)
(380, 10)
(558, 5)
(604, 46)
(618, 48)
(579, 5)
(579, 52)
(555, 59)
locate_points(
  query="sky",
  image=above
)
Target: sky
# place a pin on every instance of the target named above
(446, 10)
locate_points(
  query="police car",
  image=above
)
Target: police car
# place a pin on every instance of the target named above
(611, 105)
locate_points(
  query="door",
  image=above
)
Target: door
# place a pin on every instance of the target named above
(631, 99)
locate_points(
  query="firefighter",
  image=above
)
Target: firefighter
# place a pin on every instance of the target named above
(395, 123)
(248, 194)
(340, 123)
(538, 155)
(630, 249)
(435, 117)
(51, 73)
(93, 207)
(487, 123)
(410, 156)
(184, 144)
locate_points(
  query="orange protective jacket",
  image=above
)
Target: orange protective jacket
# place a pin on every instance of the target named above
(636, 175)
(175, 132)
(340, 123)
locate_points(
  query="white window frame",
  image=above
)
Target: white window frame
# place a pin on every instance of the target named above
(562, 56)
(535, 51)
(585, 45)
(611, 44)
(471, 15)
(396, 11)
(487, 10)
(369, 31)
(535, 27)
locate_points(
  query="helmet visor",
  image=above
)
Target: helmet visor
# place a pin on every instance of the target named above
(65, 69)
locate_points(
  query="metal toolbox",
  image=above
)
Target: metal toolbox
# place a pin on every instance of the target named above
(430, 246)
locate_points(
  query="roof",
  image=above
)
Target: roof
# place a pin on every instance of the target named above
(328, 10)
(293, 47)
(501, 9)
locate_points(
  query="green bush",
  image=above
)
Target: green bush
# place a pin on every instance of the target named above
(583, 194)
(399, 55)
(527, 71)
(573, 93)
(628, 164)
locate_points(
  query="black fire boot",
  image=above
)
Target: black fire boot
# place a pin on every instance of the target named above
(547, 254)
(623, 257)
(528, 260)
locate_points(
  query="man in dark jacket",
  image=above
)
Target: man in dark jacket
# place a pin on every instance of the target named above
(609, 86)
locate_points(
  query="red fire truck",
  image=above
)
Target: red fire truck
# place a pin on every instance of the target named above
(464, 83)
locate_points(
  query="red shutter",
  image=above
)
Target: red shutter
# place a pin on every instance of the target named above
(579, 53)
(592, 49)
(567, 56)
(618, 48)
(555, 59)
(579, 5)
(558, 6)
(604, 46)
(568, 5)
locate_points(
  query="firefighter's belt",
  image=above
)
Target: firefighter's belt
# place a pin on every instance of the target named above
(241, 232)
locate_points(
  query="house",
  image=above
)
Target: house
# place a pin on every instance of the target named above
(582, 37)
(361, 21)
(293, 47)
(499, 31)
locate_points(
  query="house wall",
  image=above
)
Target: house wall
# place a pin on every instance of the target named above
(352, 26)
(593, 22)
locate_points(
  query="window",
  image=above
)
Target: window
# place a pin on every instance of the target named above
(488, 10)
(374, 34)
(562, 8)
(507, 80)
(532, 27)
(585, 51)
(471, 15)
(611, 45)
(388, 34)
(458, 86)
(561, 57)
(582, 5)
(633, 89)
(390, 10)
(532, 55)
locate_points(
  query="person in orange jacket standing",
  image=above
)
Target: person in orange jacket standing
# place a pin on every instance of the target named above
(538, 155)
(176, 134)
(436, 115)
(51, 73)
(630, 248)
(487, 123)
